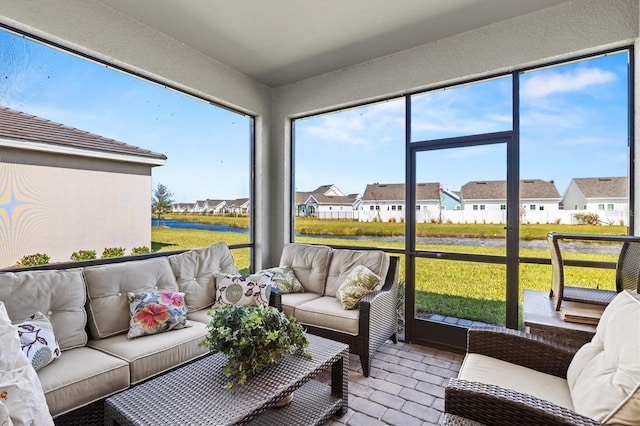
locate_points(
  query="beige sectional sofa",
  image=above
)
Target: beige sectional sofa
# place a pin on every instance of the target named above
(89, 312)
(322, 270)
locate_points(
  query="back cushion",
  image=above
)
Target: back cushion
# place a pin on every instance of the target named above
(343, 261)
(107, 287)
(196, 270)
(309, 263)
(60, 295)
(604, 375)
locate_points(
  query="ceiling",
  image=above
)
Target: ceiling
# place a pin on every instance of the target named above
(278, 42)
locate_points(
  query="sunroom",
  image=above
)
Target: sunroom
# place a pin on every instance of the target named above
(498, 94)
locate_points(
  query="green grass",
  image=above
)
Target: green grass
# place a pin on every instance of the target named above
(470, 290)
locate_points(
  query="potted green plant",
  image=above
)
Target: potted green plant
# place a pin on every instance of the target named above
(253, 338)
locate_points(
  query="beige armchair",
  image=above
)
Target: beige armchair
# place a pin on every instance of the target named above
(513, 378)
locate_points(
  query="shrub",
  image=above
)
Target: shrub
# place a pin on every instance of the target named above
(587, 218)
(112, 252)
(81, 255)
(34, 259)
(140, 250)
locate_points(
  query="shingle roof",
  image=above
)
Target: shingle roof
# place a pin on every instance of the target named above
(396, 192)
(497, 190)
(602, 187)
(21, 126)
(335, 199)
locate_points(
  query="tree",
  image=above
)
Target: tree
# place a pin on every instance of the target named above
(162, 201)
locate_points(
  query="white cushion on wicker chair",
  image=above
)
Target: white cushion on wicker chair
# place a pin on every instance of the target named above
(604, 375)
(310, 264)
(327, 312)
(492, 371)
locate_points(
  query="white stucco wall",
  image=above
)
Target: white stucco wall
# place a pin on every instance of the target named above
(568, 30)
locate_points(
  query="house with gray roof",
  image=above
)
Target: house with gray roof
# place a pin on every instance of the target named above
(606, 196)
(387, 202)
(237, 206)
(487, 201)
(65, 189)
(326, 202)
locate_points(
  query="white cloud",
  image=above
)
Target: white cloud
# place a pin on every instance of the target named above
(551, 82)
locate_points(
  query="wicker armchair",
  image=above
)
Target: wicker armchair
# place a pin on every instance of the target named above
(378, 321)
(493, 405)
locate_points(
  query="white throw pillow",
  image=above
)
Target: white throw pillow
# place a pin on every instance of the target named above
(38, 342)
(234, 289)
(22, 395)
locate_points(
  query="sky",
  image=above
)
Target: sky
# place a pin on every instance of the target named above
(573, 123)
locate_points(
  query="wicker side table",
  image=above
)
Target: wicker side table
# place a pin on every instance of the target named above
(194, 394)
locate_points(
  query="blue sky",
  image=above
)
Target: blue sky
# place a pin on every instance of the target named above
(573, 124)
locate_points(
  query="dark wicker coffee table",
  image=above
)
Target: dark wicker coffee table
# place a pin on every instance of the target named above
(195, 395)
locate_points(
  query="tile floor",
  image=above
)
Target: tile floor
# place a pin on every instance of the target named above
(405, 387)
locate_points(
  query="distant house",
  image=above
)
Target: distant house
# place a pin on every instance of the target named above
(387, 202)
(214, 206)
(183, 207)
(487, 200)
(237, 206)
(450, 200)
(326, 202)
(597, 194)
(63, 190)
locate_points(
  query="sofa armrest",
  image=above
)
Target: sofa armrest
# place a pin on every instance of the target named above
(378, 309)
(522, 349)
(489, 404)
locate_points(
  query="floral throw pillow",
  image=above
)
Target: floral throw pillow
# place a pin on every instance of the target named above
(38, 341)
(360, 281)
(156, 312)
(233, 289)
(284, 279)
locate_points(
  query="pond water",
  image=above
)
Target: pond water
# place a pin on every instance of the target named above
(574, 246)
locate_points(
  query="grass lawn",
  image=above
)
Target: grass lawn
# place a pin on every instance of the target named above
(470, 290)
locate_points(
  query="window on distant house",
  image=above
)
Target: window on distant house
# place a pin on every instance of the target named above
(399, 208)
(532, 207)
(417, 207)
(393, 208)
(377, 207)
(610, 207)
(482, 206)
(503, 206)
(370, 207)
(475, 207)
(541, 208)
(600, 206)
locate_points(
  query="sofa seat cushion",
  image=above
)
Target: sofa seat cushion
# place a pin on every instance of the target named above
(107, 287)
(201, 316)
(343, 261)
(604, 375)
(291, 300)
(310, 264)
(150, 355)
(327, 312)
(483, 369)
(60, 295)
(195, 271)
(81, 376)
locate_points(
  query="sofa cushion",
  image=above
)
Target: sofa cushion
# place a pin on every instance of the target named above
(483, 369)
(156, 312)
(150, 355)
(291, 300)
(81, 376)
(310, 264)
(38, 341)
(343, 261)
(327, 312)
(201, 316)
(107, 287)
(358, 284)
(195, 272)
(60, 295)
(23, 401)
(604, 375)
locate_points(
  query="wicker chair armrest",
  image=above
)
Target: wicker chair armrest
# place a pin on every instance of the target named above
(522, 349)
(493, 405)
(275, 299)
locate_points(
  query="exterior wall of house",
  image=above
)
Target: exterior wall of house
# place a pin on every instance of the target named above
(58, 204)
(573, 198)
